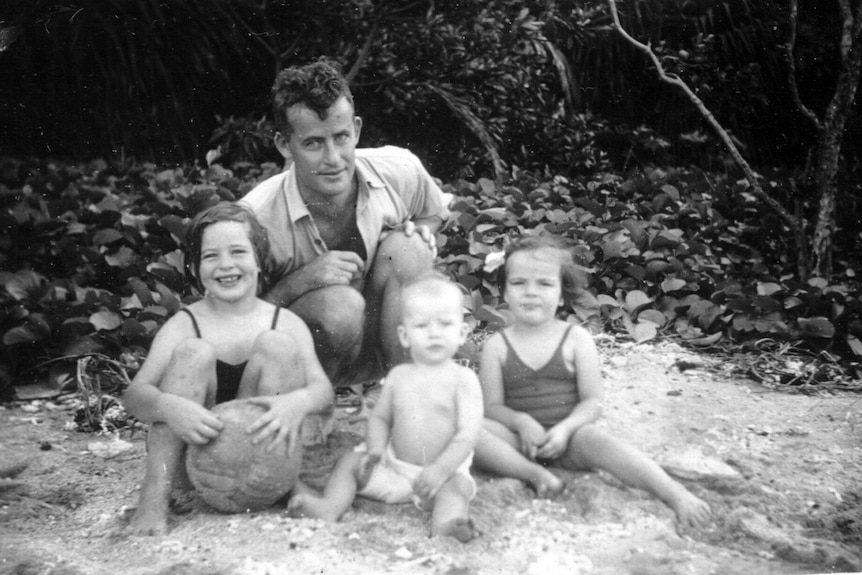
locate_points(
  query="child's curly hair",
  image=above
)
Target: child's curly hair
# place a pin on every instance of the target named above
(573, 279)
(318, 85)
(225, 212)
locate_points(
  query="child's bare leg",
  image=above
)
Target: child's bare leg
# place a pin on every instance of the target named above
(593, 448)
(337, 496)
(274, 367)
(451, 514)
(191, 374)
(496, 454)
(164, 457)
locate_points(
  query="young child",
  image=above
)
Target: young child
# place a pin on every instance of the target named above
(543, 388)
(421, 434)
(229, 344)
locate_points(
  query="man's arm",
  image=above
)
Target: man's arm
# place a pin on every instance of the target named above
(330, 268)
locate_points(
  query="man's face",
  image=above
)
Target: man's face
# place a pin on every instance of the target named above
(323, 151)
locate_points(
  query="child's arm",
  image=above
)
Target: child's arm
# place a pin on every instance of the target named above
(530, 432)
(585, 359)
(380, 419)
(285, 413)
(146, 401)
(468, 406)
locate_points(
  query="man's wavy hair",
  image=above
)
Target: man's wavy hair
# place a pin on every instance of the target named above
(573, 279)
(318, 85)
(225, 212)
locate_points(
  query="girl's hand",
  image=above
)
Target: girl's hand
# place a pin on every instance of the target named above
(531, 435)
(192, 422)
(281, 422)
(556, 442)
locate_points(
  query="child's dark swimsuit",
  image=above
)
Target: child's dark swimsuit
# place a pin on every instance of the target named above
(228, 376)
(548, 394)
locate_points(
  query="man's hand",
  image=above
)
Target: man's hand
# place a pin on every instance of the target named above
(192, 422)
(424, 232)
(333, 268)
(281, 422)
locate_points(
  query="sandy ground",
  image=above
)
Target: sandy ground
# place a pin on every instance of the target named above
(782, 473)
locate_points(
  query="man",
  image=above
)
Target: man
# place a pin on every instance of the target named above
(348, 226)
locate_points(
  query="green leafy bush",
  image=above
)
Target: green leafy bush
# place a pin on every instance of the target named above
(91, 262)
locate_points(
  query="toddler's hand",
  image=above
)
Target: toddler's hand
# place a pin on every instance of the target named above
(366, 468)
(429, 482)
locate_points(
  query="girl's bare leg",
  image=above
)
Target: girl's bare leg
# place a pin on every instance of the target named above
(591, 447)
(496, 453)
(190, 374)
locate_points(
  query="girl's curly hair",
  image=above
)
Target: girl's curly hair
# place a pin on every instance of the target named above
(225, 212)
(573, 279)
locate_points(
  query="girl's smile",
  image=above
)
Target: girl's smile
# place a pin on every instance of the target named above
(228, 269)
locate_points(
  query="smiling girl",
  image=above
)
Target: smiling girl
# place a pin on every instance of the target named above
(229, 344)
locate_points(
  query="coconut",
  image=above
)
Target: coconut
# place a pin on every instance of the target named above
(233, 475)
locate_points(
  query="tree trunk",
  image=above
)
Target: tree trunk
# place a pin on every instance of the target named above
(831, 137)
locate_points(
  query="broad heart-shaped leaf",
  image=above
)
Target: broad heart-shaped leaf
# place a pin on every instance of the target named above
(175, 225)
(495, 318)
(25, 284)
(106, 320)
(106, 236)
(22, 334)
(643, 331)
(652, 316)
(816, 327)
(635, 299)
(672, 284)
(122, 258)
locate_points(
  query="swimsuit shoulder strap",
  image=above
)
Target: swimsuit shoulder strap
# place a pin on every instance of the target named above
(194, 321)
(275, 317)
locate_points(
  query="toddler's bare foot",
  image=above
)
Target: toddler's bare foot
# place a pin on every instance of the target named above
(461, 528)
(690, 510)
(547, 485)
(308, 505)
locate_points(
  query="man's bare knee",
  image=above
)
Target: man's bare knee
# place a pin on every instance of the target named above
(403, 256)
(335, 315)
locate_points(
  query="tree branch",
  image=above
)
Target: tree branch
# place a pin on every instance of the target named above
(789, 49)
(674, 80)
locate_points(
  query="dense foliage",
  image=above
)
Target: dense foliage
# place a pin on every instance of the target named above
(93, 260)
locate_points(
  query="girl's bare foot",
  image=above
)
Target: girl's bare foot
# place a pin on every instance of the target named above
(151, 516)
(311, 506)
(690, 510)
(547, 485)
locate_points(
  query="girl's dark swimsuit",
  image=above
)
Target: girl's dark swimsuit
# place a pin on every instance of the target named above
(548, 394)
(228, 376)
